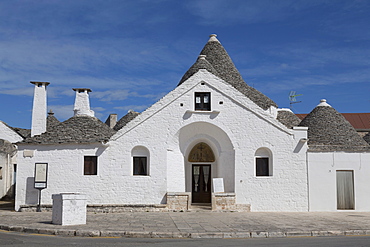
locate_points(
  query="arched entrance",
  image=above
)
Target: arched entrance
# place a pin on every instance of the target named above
(201, 156)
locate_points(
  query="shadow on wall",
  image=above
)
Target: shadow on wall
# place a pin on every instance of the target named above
(31, 192)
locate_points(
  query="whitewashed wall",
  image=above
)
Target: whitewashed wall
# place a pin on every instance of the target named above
(322, 169)
(169, 129)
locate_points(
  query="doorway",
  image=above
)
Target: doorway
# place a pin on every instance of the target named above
(201, 184)
(345, 190)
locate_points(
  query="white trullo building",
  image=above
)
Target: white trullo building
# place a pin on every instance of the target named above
(213, 141)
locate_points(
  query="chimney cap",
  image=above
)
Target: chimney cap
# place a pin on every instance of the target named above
(82, 89)
(40, 82)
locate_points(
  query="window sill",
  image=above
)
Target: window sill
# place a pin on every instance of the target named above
(206, 112)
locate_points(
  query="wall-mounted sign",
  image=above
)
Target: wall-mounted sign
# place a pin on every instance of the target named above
(41, 172)
(218, 185)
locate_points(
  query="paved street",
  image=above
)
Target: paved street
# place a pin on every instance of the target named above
(204, 224)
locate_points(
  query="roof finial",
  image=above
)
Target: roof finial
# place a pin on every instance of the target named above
(202, 57)
(212, 37)
(323, 103)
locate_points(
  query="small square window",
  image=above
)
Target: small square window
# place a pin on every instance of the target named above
(140, 166)
(262, 167)
(90, 165)
(202, 101)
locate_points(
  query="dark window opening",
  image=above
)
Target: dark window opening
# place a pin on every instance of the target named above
(140, 166)
(90, 165)
(202, 101)
(262, 167)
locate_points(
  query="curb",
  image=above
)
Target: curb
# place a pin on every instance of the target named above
(225, 235)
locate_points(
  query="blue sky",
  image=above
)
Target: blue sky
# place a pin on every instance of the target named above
(131, 53)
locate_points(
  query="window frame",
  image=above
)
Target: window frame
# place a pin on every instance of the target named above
(90, 166)
(202, 106)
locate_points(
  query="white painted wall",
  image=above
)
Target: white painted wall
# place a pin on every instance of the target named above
(234, 129)
(322, 169)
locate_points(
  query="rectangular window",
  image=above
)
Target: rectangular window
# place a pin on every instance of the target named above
(140, 166)
(262, 167)
(90, 165)
(1, 173)
(202, 101)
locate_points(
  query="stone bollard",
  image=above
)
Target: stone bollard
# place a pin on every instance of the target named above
(69, 209)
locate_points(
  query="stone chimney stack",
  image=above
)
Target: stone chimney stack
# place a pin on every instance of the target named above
(39, 108)
(82, 102)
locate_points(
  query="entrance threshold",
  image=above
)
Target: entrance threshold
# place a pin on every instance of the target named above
(201, 207)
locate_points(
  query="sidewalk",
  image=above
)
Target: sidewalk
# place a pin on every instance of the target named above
(194, 224)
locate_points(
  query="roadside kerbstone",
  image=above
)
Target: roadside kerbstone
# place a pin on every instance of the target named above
(112, 233)
(258, 234)
(31, 230)
(327, 233)
(237, 234)
(299, 234)
(355, 232)
(87, 233)
(133, 234)
(276, 234)
(65, 232)
(47, 231)
(207, 235)
(16, 228)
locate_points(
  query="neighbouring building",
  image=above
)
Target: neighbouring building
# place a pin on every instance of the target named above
(213, 141)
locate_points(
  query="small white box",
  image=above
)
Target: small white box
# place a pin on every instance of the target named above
(69, 209)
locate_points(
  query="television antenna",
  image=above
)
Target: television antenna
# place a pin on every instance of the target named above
(292, 98)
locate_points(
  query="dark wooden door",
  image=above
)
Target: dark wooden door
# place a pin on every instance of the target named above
(201, 184)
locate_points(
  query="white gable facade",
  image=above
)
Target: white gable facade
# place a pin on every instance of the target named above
(170, 156)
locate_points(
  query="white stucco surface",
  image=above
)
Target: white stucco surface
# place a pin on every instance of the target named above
(322, 179)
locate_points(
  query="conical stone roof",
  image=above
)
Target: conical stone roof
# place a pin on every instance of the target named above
(217, 56)
(328, 130)
(51, 121)
(367, 137)
(77, 129)
(201, 63)
(125, 120)
(288, 118)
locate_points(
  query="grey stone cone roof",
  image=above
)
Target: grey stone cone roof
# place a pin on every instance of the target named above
(201, 63)
(367, 137)
(328, 130)
(288, 118)
(217, 56)
(125, 120)
(51, 121)
(77, 129)
(22, 132)
(7, 147)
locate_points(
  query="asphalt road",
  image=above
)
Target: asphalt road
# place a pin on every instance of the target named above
(14, 239)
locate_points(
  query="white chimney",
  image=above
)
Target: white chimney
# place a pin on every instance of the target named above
(39, 108)
(82, 103)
